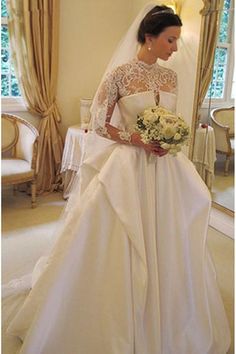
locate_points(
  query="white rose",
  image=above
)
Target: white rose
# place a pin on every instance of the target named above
(169, 131)
(165, 146)
(149, 117)
(177, 136)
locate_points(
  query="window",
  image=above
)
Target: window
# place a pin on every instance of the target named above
(222, 80)
(10, 91)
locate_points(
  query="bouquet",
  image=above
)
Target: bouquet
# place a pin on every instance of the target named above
(157, 124)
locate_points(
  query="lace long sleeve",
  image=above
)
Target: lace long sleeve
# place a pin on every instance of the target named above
(107, 98)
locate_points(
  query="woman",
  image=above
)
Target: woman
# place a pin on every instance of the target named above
(130, 272)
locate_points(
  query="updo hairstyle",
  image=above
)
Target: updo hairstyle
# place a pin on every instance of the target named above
(156, 21)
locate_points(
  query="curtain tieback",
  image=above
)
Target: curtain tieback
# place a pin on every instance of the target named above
(49, 110)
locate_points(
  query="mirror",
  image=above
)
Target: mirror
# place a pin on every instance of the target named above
(211, 148)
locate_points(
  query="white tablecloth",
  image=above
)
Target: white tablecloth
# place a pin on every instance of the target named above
(204, 155)
(72, 156)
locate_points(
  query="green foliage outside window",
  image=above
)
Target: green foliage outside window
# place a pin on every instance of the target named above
(9, 83)
(3, 8)
(224, 21)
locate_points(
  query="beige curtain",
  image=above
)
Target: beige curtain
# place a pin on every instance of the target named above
(33, 29)
(209, 34)
(210, 23)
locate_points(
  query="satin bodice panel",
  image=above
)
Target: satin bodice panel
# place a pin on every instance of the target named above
(132, 105)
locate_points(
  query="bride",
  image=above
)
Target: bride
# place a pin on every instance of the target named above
(130, 271)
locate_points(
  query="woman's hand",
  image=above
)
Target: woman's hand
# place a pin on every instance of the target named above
(153, 148)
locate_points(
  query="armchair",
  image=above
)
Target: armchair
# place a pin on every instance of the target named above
(19, 153)
(223, 124)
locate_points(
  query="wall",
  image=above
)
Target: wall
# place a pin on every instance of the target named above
(89, 33)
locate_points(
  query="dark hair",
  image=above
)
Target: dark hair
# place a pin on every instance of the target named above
(156, 21)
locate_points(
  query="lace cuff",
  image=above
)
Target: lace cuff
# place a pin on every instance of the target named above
(103, 131)
(125, 136)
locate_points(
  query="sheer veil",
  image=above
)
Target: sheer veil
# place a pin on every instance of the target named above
(125, 51)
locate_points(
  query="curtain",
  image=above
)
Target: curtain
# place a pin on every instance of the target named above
(33, 31)
(209, 35)
(210, 23)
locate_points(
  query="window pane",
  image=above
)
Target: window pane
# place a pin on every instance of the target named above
(211, 90)
(15, 91)
(214, 76)
(5, 85)
(226, 5)
(223, 35)
(219, 90)
(221, 74)
(224, 22)
(216, 90)
(4, 8)
(5, 62)
(9, 82)
(4, 36)
(222, 56)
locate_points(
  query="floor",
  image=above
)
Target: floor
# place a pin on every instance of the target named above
(23, 226)
(223, 186)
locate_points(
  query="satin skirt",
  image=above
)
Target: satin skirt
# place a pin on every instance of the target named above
(130, 272)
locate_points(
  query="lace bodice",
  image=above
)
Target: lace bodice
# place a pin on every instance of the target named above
(128, 79)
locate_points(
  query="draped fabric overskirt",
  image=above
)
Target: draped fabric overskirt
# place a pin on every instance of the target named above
(130, 271)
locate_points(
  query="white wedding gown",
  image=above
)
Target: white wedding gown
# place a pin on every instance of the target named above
(130, 272)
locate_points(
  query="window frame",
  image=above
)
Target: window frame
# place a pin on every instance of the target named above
(12, 103)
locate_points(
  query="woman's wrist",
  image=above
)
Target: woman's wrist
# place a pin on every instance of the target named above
(136, 139)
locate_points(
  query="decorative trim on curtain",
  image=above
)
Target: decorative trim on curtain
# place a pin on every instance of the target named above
(33, 30)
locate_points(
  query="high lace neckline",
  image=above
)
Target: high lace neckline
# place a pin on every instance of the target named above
(145, 65)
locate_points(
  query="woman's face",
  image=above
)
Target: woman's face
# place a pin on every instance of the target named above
(165, 43)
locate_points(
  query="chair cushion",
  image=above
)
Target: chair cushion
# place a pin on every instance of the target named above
(226, 118)
(16, 171)
(9, 134)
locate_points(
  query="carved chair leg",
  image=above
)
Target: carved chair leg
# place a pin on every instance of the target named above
(28, 188)
(33, 194)
(226, 172)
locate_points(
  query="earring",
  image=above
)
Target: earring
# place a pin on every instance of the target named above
(149, 48)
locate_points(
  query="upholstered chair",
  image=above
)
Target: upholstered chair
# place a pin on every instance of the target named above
(19, 153)
(223, 124)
